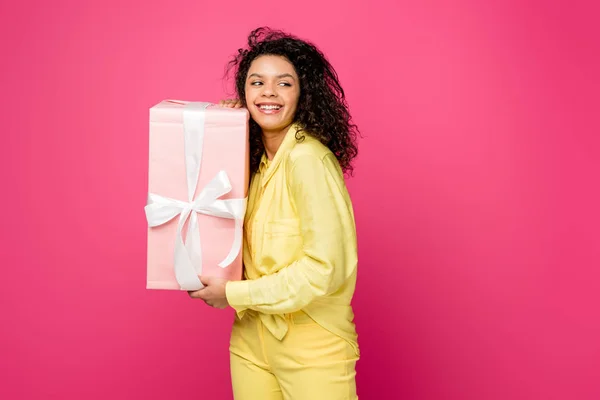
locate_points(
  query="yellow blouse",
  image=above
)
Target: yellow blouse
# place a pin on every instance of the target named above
(300, 250)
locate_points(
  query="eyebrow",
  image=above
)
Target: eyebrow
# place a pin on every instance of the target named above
(286, 75)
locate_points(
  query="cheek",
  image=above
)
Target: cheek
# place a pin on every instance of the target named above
(294, 101)
(248, 97)
(254, 113)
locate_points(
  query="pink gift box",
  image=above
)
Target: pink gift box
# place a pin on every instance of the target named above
(189, 230)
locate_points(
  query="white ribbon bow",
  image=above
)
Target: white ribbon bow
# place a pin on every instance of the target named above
(160, 209)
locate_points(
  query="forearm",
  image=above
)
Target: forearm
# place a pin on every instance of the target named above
(287, 291)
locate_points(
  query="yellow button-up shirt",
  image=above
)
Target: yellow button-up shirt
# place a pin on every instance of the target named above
(300, 247)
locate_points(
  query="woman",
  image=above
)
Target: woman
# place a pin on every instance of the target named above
(293, 335)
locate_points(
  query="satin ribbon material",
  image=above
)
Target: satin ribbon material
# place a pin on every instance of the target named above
(160, 209)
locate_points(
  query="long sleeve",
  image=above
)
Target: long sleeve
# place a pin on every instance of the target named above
(328, 242)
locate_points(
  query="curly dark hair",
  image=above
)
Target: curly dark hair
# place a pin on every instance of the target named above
(322, 109)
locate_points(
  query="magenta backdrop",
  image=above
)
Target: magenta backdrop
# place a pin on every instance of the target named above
(476, 194)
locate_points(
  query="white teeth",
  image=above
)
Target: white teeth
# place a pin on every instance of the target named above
(270, 107)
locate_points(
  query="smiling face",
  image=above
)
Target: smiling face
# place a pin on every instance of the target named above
(272, 93)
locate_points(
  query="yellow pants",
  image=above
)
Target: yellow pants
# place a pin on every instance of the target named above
(310, 363)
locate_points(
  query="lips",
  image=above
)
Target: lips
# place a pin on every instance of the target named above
(269, 108)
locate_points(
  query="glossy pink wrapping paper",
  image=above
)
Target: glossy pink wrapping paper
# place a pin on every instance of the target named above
(225, 147)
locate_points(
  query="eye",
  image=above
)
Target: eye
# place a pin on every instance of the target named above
(285, 84)
(256, 83)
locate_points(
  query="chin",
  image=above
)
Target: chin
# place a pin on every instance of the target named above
(267, 125)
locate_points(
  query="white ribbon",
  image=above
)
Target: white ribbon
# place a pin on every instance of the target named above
(160, 209)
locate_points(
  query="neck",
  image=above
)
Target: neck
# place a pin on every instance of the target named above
(272, 140)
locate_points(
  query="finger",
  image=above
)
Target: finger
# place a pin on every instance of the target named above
(203, 294)
(206, 280)
(197, 294)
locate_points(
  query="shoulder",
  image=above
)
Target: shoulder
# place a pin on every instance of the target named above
(310, 153)
(308, 147)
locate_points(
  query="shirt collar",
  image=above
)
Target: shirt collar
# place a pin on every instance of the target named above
(268, 167)
(264, 164)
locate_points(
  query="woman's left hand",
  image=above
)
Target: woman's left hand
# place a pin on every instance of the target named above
(213, 292)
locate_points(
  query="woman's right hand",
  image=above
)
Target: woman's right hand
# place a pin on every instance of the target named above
(231, 103)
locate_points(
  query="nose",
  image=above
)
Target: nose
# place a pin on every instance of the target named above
(269, 90)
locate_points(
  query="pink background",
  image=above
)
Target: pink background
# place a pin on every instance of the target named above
(476, 194)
